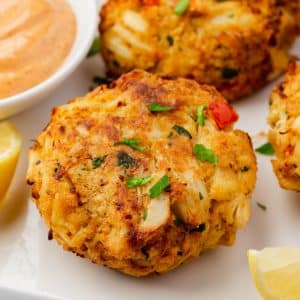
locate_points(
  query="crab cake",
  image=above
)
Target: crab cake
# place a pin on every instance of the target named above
(144, 175)
(237, 46)
(284, 135)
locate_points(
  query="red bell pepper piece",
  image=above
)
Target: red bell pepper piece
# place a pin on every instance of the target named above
(223, 114)
(150, 2)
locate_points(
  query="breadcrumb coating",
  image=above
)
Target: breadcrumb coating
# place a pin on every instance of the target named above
(237, 46)
(143, 175)
(284, 119)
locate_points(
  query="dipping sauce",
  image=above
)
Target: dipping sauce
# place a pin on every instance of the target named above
(36, 36)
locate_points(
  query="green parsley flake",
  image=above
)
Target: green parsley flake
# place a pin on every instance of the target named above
(266, 149)
(201, 115)
(177, 221)
(125, 160)
(98, 161)
(201, 196)
(181, 7)
(133, 143)
(261, 206)
(170, 40)
(205, 154)
(170, 135)
(133, 182)
(145, 215)
(101, 80)
(154, 107)
(229, 73)
(95, 48)
(159, 187)
(182, 131)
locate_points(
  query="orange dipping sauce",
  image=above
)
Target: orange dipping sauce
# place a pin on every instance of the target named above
(36, 36)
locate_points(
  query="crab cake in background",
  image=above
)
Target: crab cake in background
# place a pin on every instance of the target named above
(237, 46)
(284, 135)
(144, 175)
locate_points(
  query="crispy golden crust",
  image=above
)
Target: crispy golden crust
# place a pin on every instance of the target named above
(284, 135)
(91, 211)
(236, 46)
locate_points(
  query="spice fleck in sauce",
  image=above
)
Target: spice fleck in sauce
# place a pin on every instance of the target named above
(36, 36)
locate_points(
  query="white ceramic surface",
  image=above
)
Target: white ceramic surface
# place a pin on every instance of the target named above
(86, 15)
(28, 261)
(8, 294)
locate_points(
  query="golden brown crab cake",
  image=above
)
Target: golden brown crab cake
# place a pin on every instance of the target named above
(144, 175)
(284, 135)
(237, 46)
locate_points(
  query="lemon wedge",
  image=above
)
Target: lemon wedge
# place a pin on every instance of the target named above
(10, 145)
(276, 272)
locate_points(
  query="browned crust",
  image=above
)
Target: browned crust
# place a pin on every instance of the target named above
(284, 134)
(91, 212)
(258, 53)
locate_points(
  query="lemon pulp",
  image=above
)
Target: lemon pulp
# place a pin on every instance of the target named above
(10, 145)
(276, 272)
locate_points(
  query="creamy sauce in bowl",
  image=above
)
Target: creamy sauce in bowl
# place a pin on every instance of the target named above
(36, 36)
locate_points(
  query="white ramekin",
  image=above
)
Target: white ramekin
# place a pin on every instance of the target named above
(86, 13)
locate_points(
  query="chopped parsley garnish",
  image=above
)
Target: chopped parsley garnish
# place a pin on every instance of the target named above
(170, 40)
(159, 187)
(170, 135)
(145, 215)
(133, 182)
(201, 196)
(201, 115)
(159, 108)
(181, 7)
(101, 80)
(95, 48)
(177, 221)
(266, 149)
(229, 73)
(205, 154)
(182, 131)
(125, 160)
(98, 161)
(261, 206)
(133, 143)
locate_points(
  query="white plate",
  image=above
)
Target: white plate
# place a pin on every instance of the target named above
(8, 294)
(28, 261)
